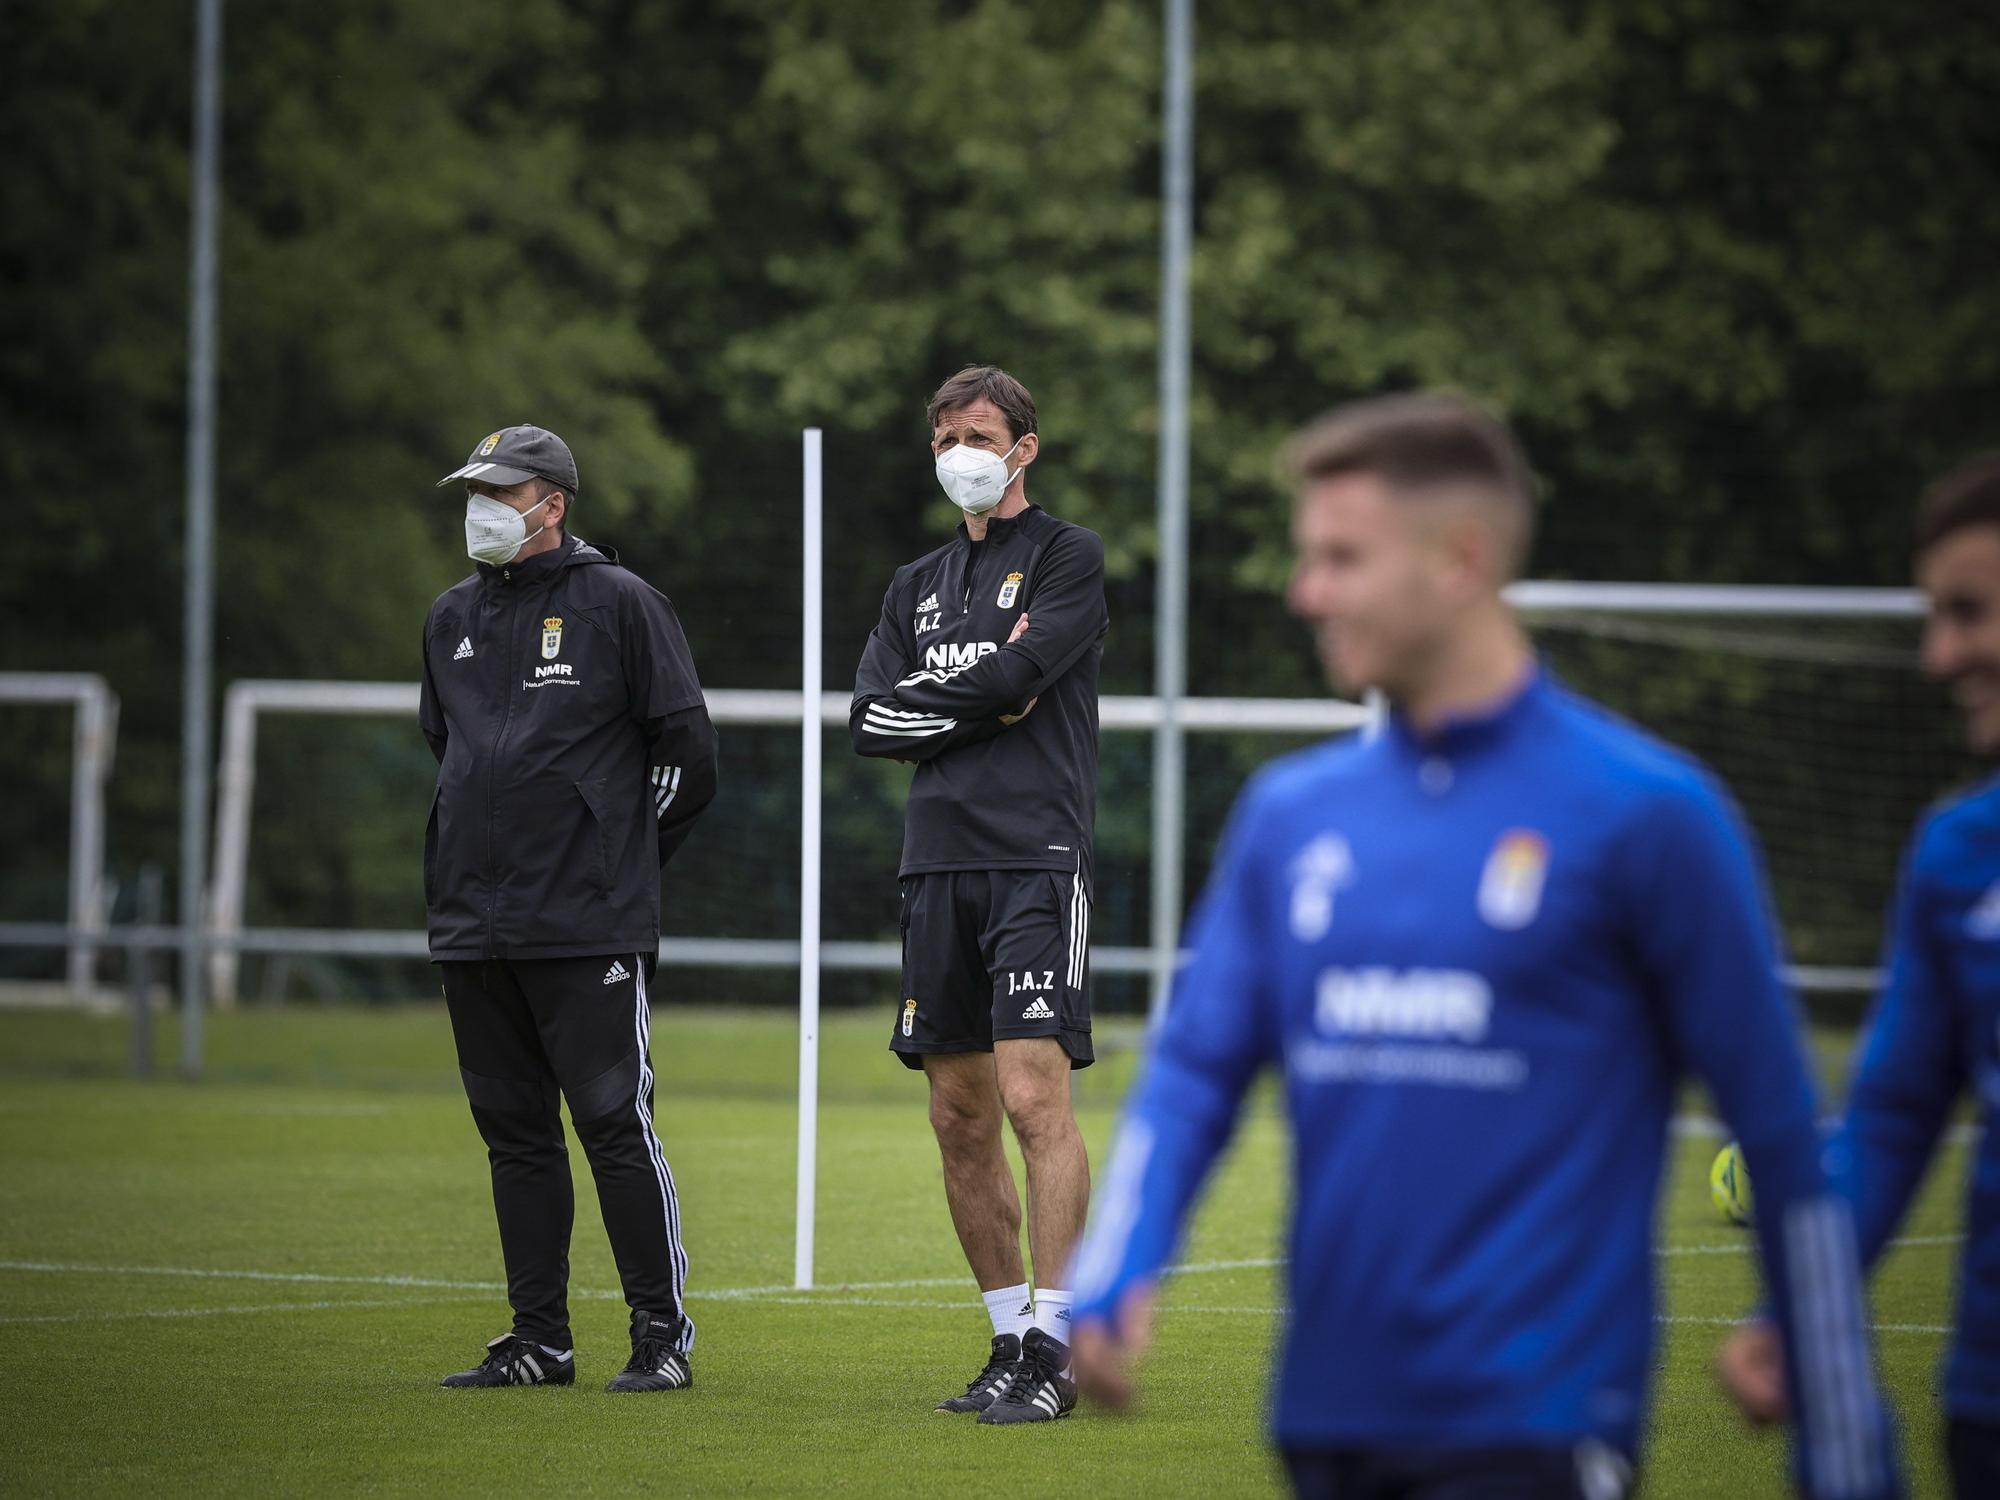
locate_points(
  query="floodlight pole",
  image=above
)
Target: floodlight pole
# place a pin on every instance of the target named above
(1170, 602)
(198, 639)
(810, 731)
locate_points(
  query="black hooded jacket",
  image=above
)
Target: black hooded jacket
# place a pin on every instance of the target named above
(574, 752)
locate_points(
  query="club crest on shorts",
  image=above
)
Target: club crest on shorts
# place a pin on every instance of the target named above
(909, 1015)
(1009, 591)
(1510, 889)
(492, 442)
(551, 637)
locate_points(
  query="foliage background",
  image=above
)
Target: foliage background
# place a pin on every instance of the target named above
(1730, 270)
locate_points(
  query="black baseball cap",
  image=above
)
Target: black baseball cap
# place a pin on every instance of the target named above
(516, 453)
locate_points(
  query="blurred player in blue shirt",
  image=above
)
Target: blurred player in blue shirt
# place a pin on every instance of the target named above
(1482, 946)
(1936, 1028)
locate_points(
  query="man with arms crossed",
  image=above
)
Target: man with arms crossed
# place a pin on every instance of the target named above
(1936, 1028)
(574, 751)
(1482, 945)
(983, 672)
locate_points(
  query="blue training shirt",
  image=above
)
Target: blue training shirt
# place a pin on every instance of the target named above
(1483, 958)
(1936, 1028)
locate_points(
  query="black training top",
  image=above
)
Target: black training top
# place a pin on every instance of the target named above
(574, 751)
(939, 673)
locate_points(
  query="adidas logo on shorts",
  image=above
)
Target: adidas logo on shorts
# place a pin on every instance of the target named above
(616, 972)
(1039, 1011)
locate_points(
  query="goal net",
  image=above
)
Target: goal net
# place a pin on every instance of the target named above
(1823, 729)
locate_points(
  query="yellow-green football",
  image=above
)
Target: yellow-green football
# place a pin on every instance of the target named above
(1729, 1186)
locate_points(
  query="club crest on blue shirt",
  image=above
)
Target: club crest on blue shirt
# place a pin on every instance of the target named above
(1009, 592)
(1510, 889)
(1983, 921)
(551, 637)
(1324, 866)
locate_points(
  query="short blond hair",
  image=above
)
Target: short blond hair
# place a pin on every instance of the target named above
(1419, 443)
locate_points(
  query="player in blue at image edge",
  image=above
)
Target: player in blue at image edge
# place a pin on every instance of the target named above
(1935, 1030)
(1482, 945)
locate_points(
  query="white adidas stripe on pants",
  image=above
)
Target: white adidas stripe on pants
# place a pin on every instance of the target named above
(669, 1200)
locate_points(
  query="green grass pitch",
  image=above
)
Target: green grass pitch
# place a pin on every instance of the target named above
(251, 1286)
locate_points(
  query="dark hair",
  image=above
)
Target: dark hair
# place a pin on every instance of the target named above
(997, 386)
(1421, 442)
(1968, 496)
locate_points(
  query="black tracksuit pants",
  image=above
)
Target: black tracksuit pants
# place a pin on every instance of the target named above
(526, 1030)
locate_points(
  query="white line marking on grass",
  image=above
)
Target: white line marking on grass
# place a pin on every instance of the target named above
(1929, 1328)
(841, 1288)
(274, 1108)
(199, 1273)
(793, 1298)
(428, 1283)
(773, 1296)
(841, 1294)
(1746, 1245)
(783, 1298)
(1171, 1308)
(752, 1293)
(218, 1312)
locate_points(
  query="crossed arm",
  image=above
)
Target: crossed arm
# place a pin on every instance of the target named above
(913, 714)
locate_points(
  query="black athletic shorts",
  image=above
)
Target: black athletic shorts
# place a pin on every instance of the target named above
(1590, 1471)
(994, 954)
(1974, 1451)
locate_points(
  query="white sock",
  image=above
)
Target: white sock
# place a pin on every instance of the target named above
(1052, 1314)
(1010, 1309)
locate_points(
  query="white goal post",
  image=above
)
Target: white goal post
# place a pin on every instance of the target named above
(246, 701)
(249, 700)
(93, 747)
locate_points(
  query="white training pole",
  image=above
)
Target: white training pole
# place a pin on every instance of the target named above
(1170, 607)
(1376, 706)
(198, 603)
(809, 798)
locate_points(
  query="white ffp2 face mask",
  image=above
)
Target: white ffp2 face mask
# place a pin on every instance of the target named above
(975, 478)
(494, 531)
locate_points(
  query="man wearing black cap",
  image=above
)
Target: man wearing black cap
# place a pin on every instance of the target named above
(574, 752)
